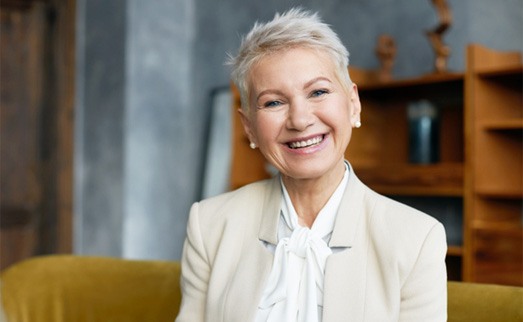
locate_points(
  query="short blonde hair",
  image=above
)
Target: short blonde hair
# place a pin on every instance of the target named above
(294, 28)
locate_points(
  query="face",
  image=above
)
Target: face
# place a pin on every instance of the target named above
(300, 115)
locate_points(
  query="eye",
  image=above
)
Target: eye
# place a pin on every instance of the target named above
(272, 104)
(319, 92)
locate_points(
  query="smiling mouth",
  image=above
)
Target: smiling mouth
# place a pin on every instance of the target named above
(306, 143)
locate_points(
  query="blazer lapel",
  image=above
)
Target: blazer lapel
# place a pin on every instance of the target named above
(345, 271)
(247, 286)
(255, 260)
(270, 219)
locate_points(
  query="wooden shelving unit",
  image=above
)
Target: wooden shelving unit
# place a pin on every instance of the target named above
(494, 167)
(476, 186)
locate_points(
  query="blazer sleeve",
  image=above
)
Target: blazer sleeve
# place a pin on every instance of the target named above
(424, 293)
(195, 272)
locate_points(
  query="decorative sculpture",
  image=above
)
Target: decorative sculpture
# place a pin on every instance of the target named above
(441, 50)
(386, 52)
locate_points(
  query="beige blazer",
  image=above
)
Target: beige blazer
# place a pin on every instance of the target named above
(390, 265)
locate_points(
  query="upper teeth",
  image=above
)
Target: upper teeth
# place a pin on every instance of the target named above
(302, 144)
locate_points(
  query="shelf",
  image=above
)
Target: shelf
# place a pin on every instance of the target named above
(499, 228)
(444, 179)
(454, 250)
(417, 191)
(499, 193)
(503, 125)
(430, 79)
(513, 70)
(428, 87)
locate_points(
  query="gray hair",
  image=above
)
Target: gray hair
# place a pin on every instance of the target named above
(294, 28)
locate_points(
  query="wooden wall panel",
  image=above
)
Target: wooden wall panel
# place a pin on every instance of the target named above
(36, 128)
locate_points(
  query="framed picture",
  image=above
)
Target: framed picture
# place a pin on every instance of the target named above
(218, 150)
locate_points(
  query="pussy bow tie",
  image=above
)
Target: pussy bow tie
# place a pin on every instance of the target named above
(295, 283)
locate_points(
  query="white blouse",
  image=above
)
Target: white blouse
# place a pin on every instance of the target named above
(294, 290)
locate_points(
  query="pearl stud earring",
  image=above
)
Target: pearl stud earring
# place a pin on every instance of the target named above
(357, 124)
(252, 145)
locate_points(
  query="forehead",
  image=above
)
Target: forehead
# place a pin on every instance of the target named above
(291, 65)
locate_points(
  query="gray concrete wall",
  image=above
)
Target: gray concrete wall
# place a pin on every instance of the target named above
(99, 126)
(496, 24)
(138, 135)
(145, 73)
(161, 124)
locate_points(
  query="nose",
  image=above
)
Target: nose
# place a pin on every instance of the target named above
(300, 116)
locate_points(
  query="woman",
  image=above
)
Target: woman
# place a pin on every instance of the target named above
(313, 243)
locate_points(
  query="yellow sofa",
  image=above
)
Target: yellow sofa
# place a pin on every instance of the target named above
(68, 288)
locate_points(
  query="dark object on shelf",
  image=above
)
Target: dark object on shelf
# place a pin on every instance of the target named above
(423, 132)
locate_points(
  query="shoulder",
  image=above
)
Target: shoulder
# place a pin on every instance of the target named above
(403, 237)
(241, 197)
(395, 224)
(235, 204)
(221, 222)
(388, 223)
(402, 231)
(385, 212)
(396, 214)
(400, 222)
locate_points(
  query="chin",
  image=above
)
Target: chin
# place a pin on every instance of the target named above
(307, 172)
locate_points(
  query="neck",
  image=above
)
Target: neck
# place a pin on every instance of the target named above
(309, 196)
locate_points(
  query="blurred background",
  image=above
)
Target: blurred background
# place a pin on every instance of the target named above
(107, 106)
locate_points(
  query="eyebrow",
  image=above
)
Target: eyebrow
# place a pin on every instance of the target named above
(309, 83)
(315, 80)
(267, 91)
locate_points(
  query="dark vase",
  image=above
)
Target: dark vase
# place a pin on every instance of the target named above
(423, 132)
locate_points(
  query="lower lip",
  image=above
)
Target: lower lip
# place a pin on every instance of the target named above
(311, 149)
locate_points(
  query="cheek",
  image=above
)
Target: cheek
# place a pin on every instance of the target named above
(266, 128)
(343, 113)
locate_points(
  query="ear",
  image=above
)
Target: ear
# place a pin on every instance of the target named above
(355, 104)
(247, 125)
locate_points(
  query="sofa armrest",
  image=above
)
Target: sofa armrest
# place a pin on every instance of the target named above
(484, 302)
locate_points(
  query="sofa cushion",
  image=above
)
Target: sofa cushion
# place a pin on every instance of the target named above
(65, 288)
(484, 302)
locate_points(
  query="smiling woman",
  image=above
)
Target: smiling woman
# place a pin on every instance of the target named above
(289, 114)
(313, 243)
